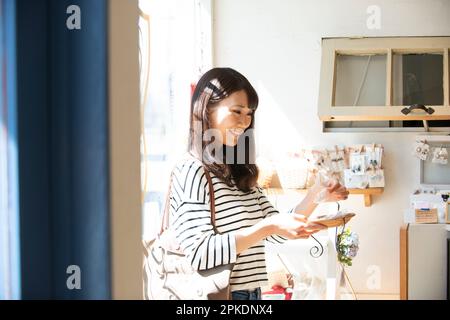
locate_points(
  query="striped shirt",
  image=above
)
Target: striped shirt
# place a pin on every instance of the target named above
(191, 220)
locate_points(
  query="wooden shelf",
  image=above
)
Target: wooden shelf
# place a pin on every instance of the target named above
(368, 193)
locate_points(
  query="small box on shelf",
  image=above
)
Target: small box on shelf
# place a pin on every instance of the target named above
(426, 216)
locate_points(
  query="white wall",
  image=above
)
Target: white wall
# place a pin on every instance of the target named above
(276, 44)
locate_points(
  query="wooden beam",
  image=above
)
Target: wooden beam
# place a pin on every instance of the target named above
(366, 192)
(124, 125)
(404, 262)
(446, 79)
(389, 85)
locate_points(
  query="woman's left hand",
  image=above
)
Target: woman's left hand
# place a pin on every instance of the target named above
(335, 191)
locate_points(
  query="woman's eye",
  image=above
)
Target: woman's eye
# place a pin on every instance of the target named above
(239, 112)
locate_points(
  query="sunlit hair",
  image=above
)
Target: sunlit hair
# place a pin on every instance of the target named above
(214, 86)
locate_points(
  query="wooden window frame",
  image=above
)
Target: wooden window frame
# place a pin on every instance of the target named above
(439, 139)
(124, 148)
(331, 47)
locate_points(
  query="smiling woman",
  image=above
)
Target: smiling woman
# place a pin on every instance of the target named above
(225, 102)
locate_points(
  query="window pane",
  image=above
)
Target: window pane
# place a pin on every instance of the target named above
(360, 80)
(417, 79)
(175, 42)
(436, 173)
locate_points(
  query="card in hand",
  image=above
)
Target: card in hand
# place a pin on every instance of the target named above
(333, 221)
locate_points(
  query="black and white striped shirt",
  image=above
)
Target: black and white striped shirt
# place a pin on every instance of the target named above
(235, 209)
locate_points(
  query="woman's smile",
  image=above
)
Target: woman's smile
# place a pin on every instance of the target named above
(236, 131)
(232, 116)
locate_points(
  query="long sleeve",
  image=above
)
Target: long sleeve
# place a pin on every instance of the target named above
(191, 219)
(269, 210)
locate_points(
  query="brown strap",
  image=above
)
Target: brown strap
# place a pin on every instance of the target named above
(212, 207)
(212, 204)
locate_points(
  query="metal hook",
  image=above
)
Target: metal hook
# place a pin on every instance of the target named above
(315, 251)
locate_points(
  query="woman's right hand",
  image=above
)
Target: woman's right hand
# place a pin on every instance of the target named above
(290, 226)
(293, 226)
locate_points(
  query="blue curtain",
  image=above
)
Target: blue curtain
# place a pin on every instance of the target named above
(63, 149)
(9, 201)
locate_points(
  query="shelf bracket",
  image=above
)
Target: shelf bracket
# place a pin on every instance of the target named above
(367, 193)
(367, 200)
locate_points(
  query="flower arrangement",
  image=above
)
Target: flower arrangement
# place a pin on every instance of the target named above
(347, 245)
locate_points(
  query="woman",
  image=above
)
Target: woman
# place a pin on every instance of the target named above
(222, 117)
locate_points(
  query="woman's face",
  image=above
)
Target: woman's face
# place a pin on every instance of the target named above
(231, 117)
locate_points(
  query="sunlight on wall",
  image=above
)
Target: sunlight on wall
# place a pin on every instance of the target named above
(276, 135)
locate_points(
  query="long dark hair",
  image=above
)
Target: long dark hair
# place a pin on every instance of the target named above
(214, 86)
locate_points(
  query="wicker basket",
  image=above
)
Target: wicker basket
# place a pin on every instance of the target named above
(293, 173)
(266, 172)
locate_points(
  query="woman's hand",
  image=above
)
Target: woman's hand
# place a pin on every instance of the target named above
(331, 191)
(293, 226)
(336, 191)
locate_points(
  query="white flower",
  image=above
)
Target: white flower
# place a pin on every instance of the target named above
(348, 246)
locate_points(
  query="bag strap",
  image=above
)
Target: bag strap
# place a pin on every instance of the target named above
(165, 218)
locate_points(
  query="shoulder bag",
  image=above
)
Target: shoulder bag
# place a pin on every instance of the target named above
(168, 275)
